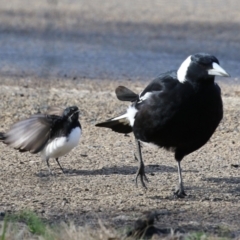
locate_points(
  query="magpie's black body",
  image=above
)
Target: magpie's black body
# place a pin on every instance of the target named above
(179, 110)
(185, 117)
(52, 135)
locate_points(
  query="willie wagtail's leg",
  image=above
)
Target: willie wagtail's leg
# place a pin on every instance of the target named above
(59, 165)
(49, 169)
(141, 170)
(180, 193)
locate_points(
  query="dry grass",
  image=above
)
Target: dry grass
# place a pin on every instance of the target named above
(27, 225)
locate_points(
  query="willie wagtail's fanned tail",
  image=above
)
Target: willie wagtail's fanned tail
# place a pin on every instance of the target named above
(125, 94)
(117, 125)
(3, 138)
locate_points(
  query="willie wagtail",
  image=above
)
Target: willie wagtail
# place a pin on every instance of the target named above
(51, 135)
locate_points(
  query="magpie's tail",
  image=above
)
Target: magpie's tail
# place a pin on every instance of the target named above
(125, 94)
(119, 124)
(2, 136)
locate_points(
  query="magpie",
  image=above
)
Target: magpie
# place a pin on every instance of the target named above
(51, 135)
(178, 111)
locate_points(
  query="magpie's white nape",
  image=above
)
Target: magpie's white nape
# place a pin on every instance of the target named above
(182, 71)
(178, 111)
(52, 135)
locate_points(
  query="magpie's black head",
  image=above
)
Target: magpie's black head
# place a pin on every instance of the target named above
(200, 67)
(72, 113)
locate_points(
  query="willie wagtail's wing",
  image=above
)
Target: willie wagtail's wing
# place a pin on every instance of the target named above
(30, 134)
(58, 111)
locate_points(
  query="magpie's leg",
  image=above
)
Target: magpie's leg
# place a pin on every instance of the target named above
(59, 165)
(141, 171)
(180, 193)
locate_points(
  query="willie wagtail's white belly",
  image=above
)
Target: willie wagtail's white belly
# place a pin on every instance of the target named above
(62, 145)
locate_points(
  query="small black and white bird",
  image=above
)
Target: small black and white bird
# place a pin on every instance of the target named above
(179, 110)
(51, 135)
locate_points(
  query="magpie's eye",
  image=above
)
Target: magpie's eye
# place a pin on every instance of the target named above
(205, 64)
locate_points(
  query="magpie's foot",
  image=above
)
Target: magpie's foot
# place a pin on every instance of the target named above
(142, 175)
(180, 193)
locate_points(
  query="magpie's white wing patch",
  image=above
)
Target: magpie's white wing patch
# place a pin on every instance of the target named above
(145, 96)
(129, 117)
(131, 113)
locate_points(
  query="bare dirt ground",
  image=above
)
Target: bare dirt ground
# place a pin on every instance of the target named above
(101, 170)
(61, 53)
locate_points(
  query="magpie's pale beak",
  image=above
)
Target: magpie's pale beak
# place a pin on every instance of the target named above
(218, 71)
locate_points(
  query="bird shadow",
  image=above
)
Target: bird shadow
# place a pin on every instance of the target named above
(231, 180)
(123, 170)
(165, 168)
(231, 187)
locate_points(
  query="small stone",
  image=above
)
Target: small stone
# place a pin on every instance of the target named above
(64, 202)
(2, 214)
(121, 217)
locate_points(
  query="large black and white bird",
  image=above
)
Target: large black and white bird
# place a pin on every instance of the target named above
(52, 135)
(178, 111)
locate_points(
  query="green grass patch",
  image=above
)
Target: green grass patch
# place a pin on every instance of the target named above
(28, 219)
(4, 229)
(197, 236)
